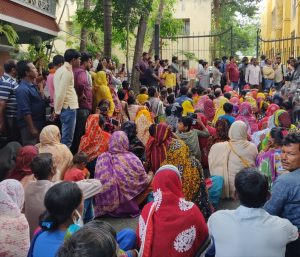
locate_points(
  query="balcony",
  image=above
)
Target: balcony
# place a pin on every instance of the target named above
(47, 7)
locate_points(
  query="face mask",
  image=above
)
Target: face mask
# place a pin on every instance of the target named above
(79, 221)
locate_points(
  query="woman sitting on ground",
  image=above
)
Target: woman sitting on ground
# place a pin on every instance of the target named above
(164, 148)
(125, 182)
(61, 155)
(95, 140)
(170, 225)
(135, 145)
(14, 235)
(64, 207)
(22, 170)
(226, 159)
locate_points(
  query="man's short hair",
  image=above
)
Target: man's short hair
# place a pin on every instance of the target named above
(22, 68)
(71, 54)
(9, 65)
(144, 54)
(187, 122)
(151, 91)
(42, 165)
(292, 138)
(58, 59)
(85, 57)
(231, 57)
(183, 90)
(251, 187)
(228, 108)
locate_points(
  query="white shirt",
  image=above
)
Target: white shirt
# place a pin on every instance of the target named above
(250, 232)
(253, 75)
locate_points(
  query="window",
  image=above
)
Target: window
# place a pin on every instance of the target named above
(185, 27)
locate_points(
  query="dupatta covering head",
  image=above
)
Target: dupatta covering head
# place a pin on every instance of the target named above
(121, 173)
(209, 109)
(14, 236)
(95, 140)
(158, 145)
(24, 157)
(246, 115)
(220, 111)
(170, 224)
(271, 109)
(282, 119)
(50, 143)
(238, 133)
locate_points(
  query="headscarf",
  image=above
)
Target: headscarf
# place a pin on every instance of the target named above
(122, 175)
(234, 100)
(260, 98)
(245, 115)
(220, 111)
(238, 133)
(95, 141)
(14, 236)
(24, 157)
(270, 111)
(200, 104)
(50, 143)
(187, 107)
(135, 145)
(157, 146)
(170, 220)
(282, 119)
(143, 121)
(8, 158)
(209, 109)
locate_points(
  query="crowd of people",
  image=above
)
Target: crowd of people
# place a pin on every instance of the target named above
(78, 144)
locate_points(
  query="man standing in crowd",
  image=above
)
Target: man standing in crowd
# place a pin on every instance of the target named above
(65, 99)
(8, 102)
(216, 74)
(30, 103)
(285, 200)
(280, 73)
(83, 87)
(58, 61)
(268, 74)
(96, 61)
(242, 69)
(150, 76)
(232, 73)
(253, 75)
(250, 230)
(141, 67)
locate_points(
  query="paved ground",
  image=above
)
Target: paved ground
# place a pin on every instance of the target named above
(119, 224)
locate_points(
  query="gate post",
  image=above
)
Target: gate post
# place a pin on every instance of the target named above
(257, 42)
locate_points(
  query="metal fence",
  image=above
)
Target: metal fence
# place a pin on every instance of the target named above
(286, 47)
(195, 47)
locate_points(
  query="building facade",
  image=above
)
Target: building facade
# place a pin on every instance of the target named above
(280, 29)
(196, 18)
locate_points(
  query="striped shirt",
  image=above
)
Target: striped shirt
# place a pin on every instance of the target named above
(8, 86)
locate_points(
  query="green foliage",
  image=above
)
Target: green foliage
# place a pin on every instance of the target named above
(242, 16)
(9, 32)
(188, 55)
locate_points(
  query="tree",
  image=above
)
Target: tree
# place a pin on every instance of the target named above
(107, 27)
(84, 29)
(139, 48)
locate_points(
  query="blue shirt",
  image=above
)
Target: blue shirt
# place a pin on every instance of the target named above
(227, 117)
(285, 200)
(29, 101)
(183, 98)
(48, 243)
(8, 86)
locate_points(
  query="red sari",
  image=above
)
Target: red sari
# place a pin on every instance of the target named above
(170, 226)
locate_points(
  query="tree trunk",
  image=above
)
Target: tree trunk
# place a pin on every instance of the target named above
(139, 49)
(157, 21)
(216, 26)
(84, 31)
(107, 8)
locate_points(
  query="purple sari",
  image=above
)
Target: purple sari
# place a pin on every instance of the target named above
(123, 177)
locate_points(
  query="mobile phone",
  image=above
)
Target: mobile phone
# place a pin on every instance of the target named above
(114, 122)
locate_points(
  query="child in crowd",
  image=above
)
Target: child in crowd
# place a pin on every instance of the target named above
(228, 108)
(78, 171)
(126, 89)
(142, 97)
(124, 111)
(190, 136)
(169, 77)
